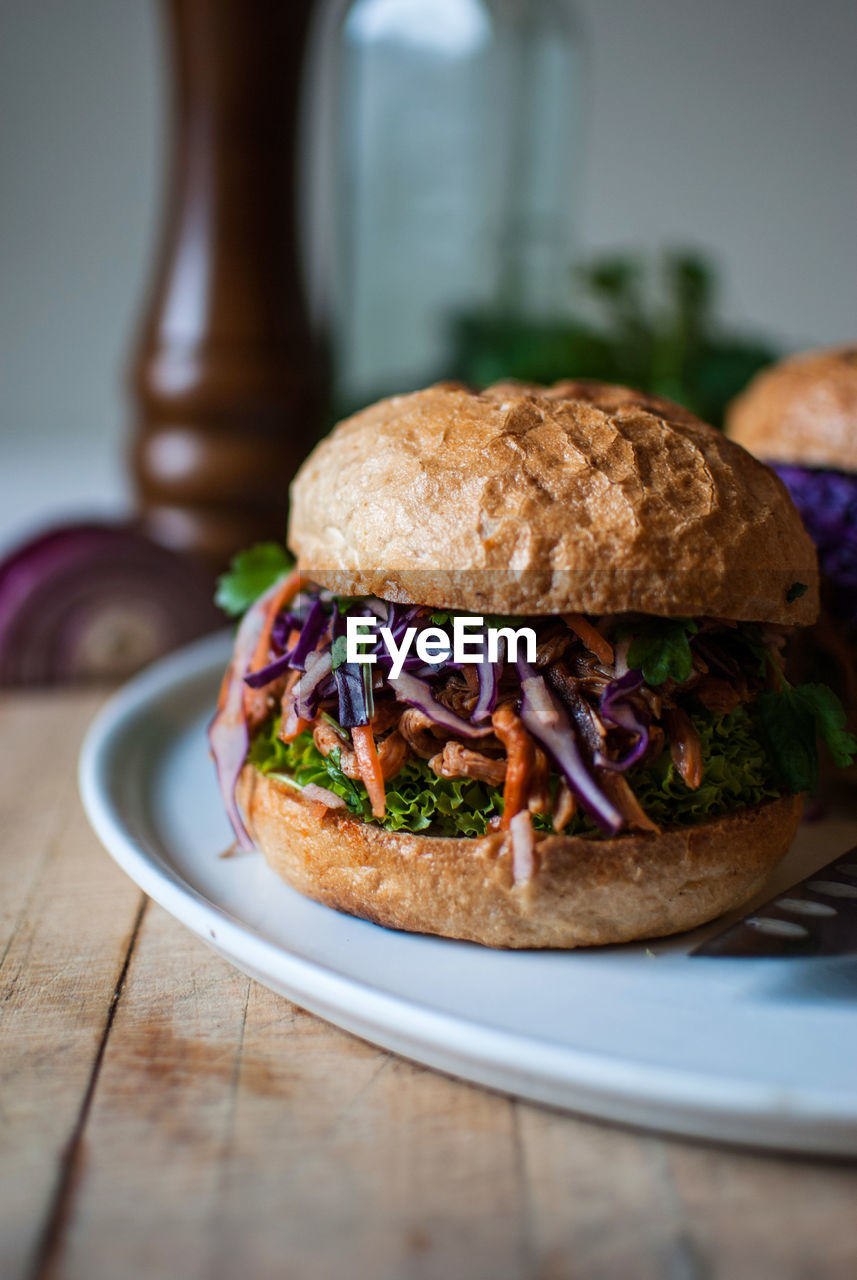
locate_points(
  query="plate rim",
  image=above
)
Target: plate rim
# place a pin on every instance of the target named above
(601, 1086)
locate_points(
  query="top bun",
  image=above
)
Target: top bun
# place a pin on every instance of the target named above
(532, 500)
(802, 410)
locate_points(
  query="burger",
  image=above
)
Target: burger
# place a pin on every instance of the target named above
(800, 416)
(618, 753)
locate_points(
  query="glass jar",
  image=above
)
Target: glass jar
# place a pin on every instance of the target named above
(454, 135)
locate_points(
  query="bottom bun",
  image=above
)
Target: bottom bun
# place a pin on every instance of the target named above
(581, 893)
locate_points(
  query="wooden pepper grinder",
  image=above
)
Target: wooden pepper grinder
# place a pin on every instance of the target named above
(227, 379)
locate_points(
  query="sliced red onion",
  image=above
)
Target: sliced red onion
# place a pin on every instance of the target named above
(228, 735)
(91, 602)
(417, 693)
(544, 716)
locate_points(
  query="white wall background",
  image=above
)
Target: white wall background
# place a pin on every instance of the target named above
(728, 124)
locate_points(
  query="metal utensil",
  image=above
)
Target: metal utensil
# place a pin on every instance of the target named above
(816, 917)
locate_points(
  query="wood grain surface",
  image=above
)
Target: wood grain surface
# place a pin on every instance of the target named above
(164, 1116)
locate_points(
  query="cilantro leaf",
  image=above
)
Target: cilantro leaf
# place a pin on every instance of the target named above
(338, 651)
(795, 591)
(250, 574)
(829, 715)
(789, 731)
(444, 618)
(661, 649)
(793, 719)
(344, 785)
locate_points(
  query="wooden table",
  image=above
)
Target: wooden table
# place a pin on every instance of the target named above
(164, 1116)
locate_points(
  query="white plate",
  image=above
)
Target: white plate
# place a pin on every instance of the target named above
(758, 1052)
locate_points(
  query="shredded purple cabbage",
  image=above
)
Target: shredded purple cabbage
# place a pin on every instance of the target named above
(352, 680)
(616, 709)
(286, 623)
(352, 689)
(545, 717)
(488, 674)
(575, 746)
(316, 621)
(267, 675)
(827, 502)
(417, 693)
(307, 691)
(228, 735)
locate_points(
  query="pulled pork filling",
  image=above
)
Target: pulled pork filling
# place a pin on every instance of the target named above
(622, 723)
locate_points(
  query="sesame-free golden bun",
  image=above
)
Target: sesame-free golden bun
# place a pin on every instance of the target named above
(802, 411)
(581, 892)
(521, 499)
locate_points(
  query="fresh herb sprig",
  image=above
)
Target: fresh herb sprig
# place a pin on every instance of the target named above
(793, 719)
(661, 649)
(251, 573)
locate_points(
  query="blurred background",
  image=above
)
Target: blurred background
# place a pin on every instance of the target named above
(720, 135)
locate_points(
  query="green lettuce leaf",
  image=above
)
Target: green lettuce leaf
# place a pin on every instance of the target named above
(737, 774)
(417, 800)
(250, 574)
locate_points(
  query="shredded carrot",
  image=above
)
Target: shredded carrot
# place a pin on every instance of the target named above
(287, 591)
(593, 639)
(225, 685)
(297, 729)
(369, 765)
(520, 761)
(299, 724)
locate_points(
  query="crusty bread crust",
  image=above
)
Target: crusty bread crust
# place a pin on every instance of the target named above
(802, 410)
(607, 396)
(582, 893)
(522, 500)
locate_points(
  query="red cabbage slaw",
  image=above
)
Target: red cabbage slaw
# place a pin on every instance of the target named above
(827, 502)
(306, 673)
(228, 733)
